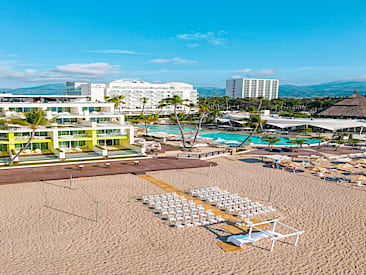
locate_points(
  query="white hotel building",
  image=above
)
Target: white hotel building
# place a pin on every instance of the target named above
(134, 91)
(248, 87)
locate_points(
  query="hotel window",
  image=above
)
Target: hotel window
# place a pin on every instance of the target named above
(3, 148)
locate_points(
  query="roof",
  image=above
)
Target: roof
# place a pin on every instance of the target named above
(352, 106)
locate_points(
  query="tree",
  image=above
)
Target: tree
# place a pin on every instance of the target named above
(176, 101)
(32, 119)
(260, 102)
(148, 119)
(190, 106)
(271, 141)
(213, 115)
(254, 121)
(320, 138)
(339, 142)
(144, 101)
(117, 100)
(299, 142)
(203, 109)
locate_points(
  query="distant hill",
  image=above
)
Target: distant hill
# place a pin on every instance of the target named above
(48, 89)
(210, 91)
(339, 88)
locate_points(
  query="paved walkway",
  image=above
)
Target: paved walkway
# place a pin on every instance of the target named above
(34, 174)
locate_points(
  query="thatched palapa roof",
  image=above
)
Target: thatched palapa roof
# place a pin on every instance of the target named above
(353, 106)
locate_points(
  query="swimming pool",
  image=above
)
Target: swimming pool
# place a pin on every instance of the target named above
(235, 139)
(170, 129)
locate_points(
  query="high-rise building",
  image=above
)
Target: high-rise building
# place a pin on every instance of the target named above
(248, 87)
(135, 90)
(74, 88)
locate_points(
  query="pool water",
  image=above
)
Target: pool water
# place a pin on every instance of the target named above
(234, 139)
(170, 129)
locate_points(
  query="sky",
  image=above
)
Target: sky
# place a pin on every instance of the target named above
(199, 42)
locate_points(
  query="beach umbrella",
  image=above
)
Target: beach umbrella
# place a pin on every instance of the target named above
(318, 169)
(358, 178)
(345, 167)
(321, 160)
(362, 161)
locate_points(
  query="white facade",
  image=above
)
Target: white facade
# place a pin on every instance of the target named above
(135, 90)
(74, 88)
(247, 87)
(96, 91)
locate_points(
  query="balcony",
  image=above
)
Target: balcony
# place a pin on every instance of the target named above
(73, 136)
(113, 135)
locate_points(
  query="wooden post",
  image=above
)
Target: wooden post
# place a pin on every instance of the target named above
(97, 213)
(270, 193)
(209, 169)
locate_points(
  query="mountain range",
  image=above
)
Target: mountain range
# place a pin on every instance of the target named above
(335, 89)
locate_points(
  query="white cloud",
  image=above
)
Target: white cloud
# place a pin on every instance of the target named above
(91, 69)
(174, 60)
(357, 78)
(256, 73)
(215, 38)
(117, 51)
(243, 71)
(264, 72)
(236, 76)
(193, 45)
(61, 73)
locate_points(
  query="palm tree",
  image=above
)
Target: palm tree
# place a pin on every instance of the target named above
(117, 100)
(214, 114)
(190, 106)
(271, 141)
(203, 109)
(176, 101)
(339, 142)
(32, 119)
(254, 121)
(299, 142)
(320, 138)
(148, 119)
(260, 102)
(144, 101)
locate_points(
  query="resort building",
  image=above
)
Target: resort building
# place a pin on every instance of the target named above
(353, 106)
(248, 87)
(81, 127)
(134, 91)
(275, 122)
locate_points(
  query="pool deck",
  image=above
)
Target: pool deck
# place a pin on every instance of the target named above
(34, 174)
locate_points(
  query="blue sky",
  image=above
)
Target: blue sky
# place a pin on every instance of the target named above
(200, 42)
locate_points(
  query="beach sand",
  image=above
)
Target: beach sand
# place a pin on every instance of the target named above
(47, 228)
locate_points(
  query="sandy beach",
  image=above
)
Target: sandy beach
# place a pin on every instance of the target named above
(47, 228)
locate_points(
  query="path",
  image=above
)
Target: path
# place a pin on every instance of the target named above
(34, 174)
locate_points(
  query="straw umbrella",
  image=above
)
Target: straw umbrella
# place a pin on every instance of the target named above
(362, 161)
(318, 169)
(355, 178)
(345, 167)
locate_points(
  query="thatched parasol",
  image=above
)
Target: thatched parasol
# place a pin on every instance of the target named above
(355, 178)
(318, 169)
(345, 167)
